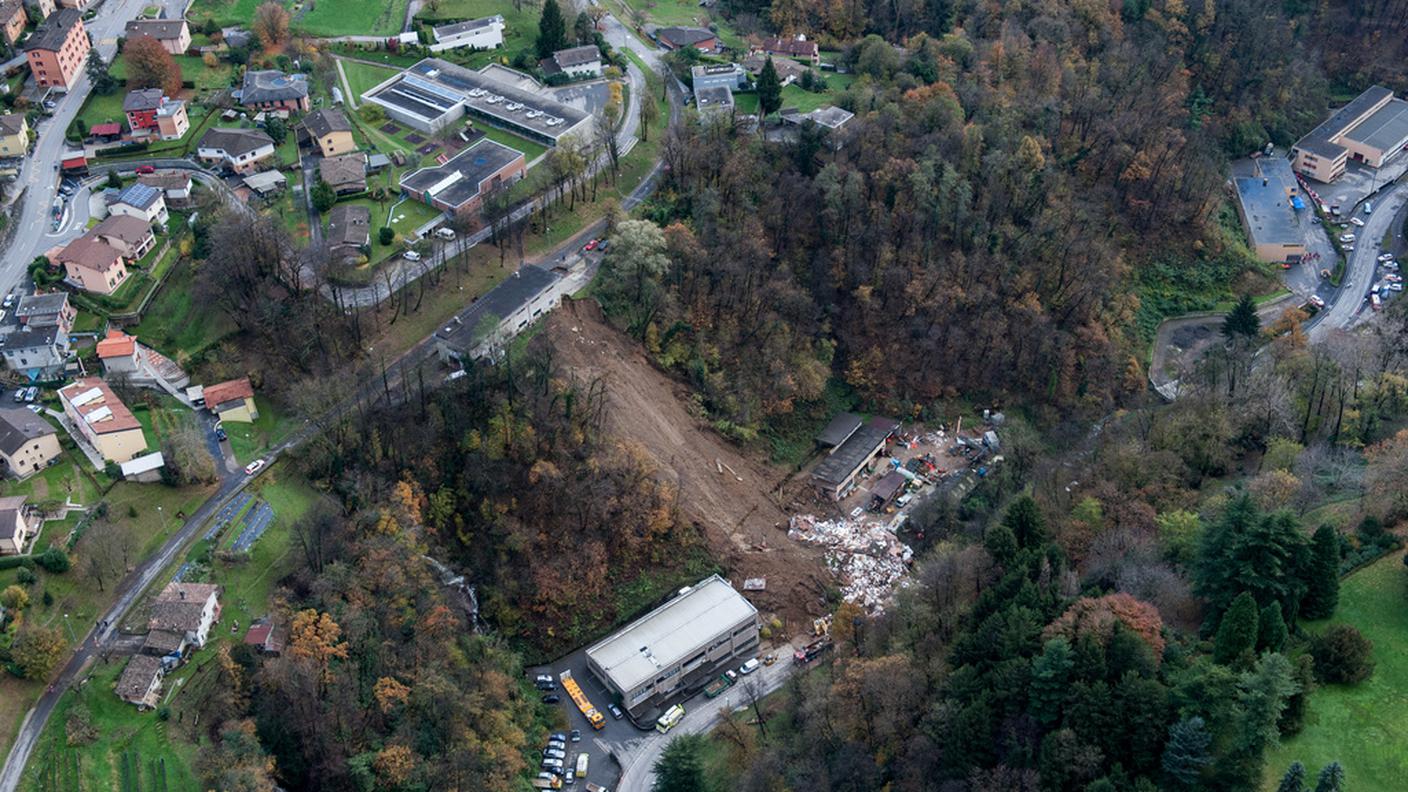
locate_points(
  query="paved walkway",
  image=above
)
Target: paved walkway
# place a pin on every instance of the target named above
(94, 458)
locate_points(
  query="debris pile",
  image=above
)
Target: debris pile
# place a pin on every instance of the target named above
(865, 556)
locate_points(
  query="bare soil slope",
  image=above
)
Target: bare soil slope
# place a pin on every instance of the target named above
(745, 526)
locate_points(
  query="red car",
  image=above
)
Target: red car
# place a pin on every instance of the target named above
(590, 245)
(145, 169)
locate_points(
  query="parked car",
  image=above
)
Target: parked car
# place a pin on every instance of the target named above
(1368, 208)
(552, 698)
(1392, 278)
(1382, 257)
(1395, 287)
(752, 665)
(769, 659)
(220, 434)
(602, 245)
(1349, 248)
(1346, 237)
(553, 764)
(591, 245)
(1356, 221)
(732, 675)
(411, 255)
(576, 735)
(9, 300)
(1317, 301)
(1375, 302)
(19, 395)
(31, 393)
(254, 467)
(615, 711)
(554, 753)
(143, 170)
(559, 736)
(445, 233)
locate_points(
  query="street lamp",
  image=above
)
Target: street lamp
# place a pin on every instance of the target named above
(69, 627)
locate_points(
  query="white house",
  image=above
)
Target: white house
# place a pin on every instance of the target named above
(141, 201)
(578, 62)
(485, 33)
(182, 616)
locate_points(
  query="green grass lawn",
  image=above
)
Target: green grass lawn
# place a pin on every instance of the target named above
(247, 584)
(249, 441)
(362, 77)
(794, 96)
(350, 17)
(1362, 727)
(531, 150)
(404, 217)
(178, 325)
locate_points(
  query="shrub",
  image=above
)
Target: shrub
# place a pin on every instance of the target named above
(54, 560)
(26, 576)
(386, 235)
(1342, 655)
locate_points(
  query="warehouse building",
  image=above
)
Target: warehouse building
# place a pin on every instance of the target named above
(1267, 202)
(506, 310)
(433, 94)
(677, 647)
(854, 444)
(1369, 129)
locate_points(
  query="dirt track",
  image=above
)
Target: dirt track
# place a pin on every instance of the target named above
(745, 527)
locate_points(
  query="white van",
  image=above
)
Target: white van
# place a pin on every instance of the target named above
(445, 233)
(581, 765)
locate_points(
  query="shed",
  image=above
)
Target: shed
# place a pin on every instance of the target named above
(886, 489)
(841, 427)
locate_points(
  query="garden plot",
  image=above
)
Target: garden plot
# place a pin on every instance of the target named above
(256, 522)
(228, 513)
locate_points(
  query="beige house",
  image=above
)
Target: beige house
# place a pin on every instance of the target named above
(173, 34)
(14, 135)
(93, 265)
(15, 527)
(232, 401)
(130, 236)
(27, 442)
(102, 419)
(186, 611)
(140, 683)
(330, 131)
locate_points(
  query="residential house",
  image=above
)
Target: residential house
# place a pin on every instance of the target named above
(27, 442)
(43, 8)
(12, 20)
(719, 75)
(273, 90)
(459, 185)
(120, 353)
(579, 63)
(330, 131)
(39, 347)
(141, 201)
(485, 33)
(140, 683)
(797, 48)
(102, 420)
(150, 112)
(788, 70)
(131, 236)
(236, 37)
(14, 135)
(232, 401)
(346, 174)
(187, 609)
(15, 526)
(265, 638)
(173, 34)
(717, 100)
(266, 184)
(680, 37)
(92, 265)
(240, 150)
(175, 185)
(349, 229)
(58, 50)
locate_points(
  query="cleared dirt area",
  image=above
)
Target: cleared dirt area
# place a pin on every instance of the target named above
(745, 526)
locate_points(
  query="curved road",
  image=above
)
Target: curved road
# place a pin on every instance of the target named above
(1361, 265)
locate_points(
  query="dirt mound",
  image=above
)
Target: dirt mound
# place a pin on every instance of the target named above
(745, 526)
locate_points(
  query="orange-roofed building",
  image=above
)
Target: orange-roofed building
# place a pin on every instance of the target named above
(102, 419)
(232, 401)
(119, 352)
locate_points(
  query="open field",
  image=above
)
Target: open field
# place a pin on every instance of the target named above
(250, 440)
(176, 324)
(362, 77)
(1362, 727)
(315, 17)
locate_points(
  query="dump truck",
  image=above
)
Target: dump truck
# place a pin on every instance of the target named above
(717, 686)
(596, 719)
(812, 650)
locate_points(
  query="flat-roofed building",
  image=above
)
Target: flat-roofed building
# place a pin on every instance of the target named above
(506, 310)
(434, 94)
(1369, 129)
(859, 442)
(1266, 203)
(677, 647)
(485, 33)
(717, 100)
(727, 75)
(459, 185)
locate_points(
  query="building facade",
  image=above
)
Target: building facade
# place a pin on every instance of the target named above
(330, 131)
(1370, 129)
(58, 50)
(93, 265)
(14, 135)
(232, 401)
(28, 443)
(485, 33)
(12, 20)
(460, 184)
(240, 150)
(174, 35)
(102, 420)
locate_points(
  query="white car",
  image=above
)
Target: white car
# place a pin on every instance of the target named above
(1392, 278)
(1348, 248)
(1394, 287)
(254, 467)
(411, 255)
(445, 233)
(1346, 237)
(1356, 221)
(1317, 301)
(554, 753)
(752, 665)
(1385, 257)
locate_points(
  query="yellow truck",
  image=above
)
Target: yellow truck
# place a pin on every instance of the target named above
(596, 719)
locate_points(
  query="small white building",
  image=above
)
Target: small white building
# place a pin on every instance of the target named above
(485, 33)
(579, 63)
(143, 202)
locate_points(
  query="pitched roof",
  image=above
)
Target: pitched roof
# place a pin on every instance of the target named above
(235, 142)
(11, 124)
(167, 180)
(791, 47)
(349, 224)
(9, 8)
(41, 304)
(684, 36)
(271, 85)
(163, 642)
(344, 169)
(468, 26)
(104, 130)
(117, 344)
(142, 99)
(92, 253)
(576, 56)
(131, 230)
(325, 122)
(53, 31)
(103, 412)
(218, 394)
(18, 426)
(265, 181)
(30, 337)
(159, 29)
(137, 678)
(12, 520)
(142, 196)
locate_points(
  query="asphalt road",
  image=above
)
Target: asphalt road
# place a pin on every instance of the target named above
(1360, 269)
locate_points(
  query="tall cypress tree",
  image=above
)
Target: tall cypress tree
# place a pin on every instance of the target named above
(1322, 592)
(1271, 628)
(769, 89)
(1243, 320)
(552, 30)
(1293, 780)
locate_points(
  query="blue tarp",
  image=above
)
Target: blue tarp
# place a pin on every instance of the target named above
(1296, 203)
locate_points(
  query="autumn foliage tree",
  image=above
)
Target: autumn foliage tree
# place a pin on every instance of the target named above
(270, 24)
(1096, 617)
(149, 65)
